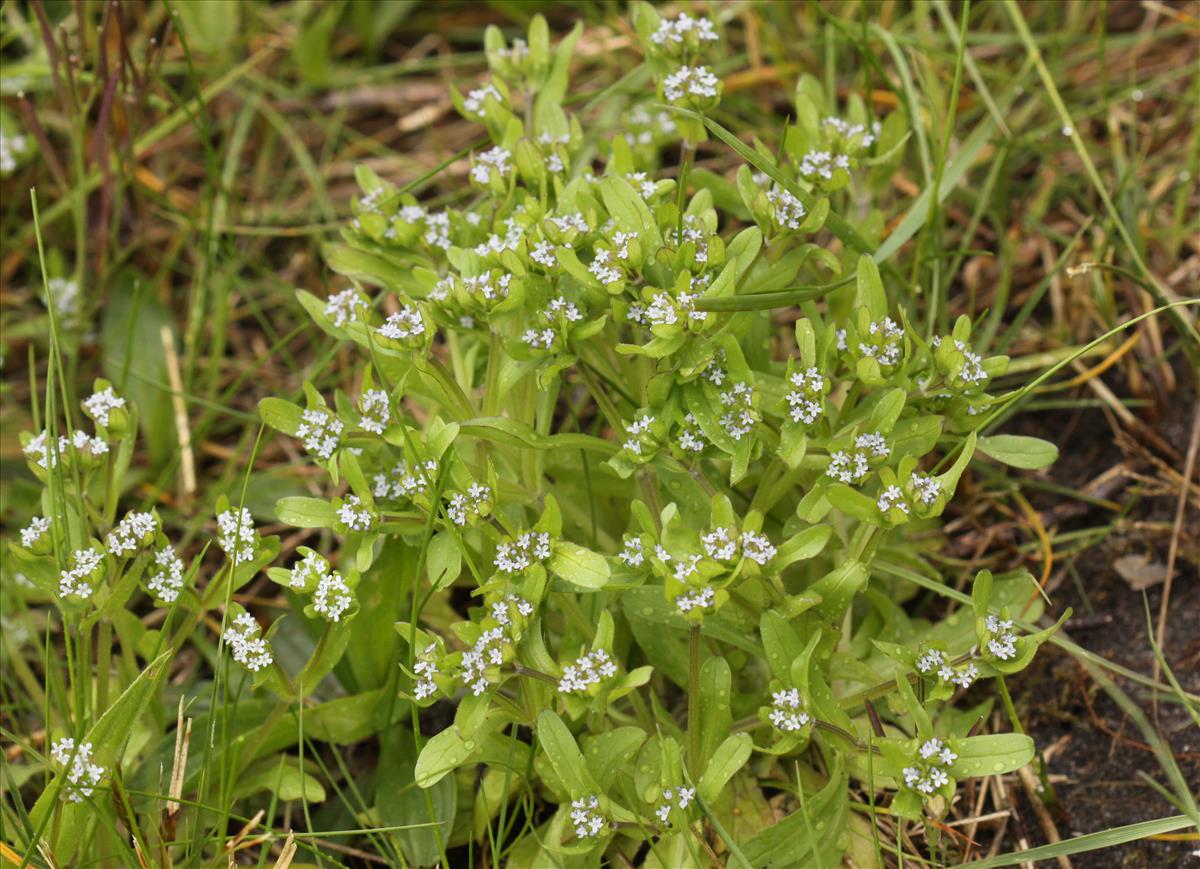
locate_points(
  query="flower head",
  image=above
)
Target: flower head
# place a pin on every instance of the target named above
(82, 774)
(249, 648)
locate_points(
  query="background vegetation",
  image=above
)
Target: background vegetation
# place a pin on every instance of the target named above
(191, 160)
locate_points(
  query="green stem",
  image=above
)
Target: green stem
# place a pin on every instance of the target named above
(693, 714)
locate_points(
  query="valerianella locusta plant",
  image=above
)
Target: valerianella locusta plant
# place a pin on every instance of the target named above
(608, 485)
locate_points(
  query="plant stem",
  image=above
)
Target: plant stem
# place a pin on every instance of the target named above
(693, 715)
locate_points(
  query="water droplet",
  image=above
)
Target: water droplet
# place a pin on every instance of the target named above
(998, 766)
(469, 745)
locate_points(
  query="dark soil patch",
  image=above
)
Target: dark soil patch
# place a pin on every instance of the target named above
(1097, 755)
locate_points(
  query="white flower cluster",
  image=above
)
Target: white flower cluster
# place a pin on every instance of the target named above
(1002, 641)
(464, 507)
(850, 131)
(929, 773)
(39, 452)
(853, 467)
(403, 325)
(602, 270)
(891, 497)
(586, 817)
(425, 669)
(132, 533)
(343, 307)
(236, 534)
(354, 514)
(481, 287)
(543, 254)
(498, 244)
(934, 662)
(691, 438)
(789, 211)
(972, 370)
(375, 410)
(33, 532)
(494, 158)
(928, 489)
(647, 125)
(589, 669)
(787, 712)
(475, 99)
(403, 483)
(250, 649)
(82, 774)
(11, 147)
(100, 404)
(675, 31)
(804, 402)
(681, 797)
(65, 293)
(665, 310)
(885, 341)
(697, 81)
(631, 553)
(167, 580)
(822, 164)
(531, 547)
(703, 599)
(634, 432)
(502, 609)
(321, 432)
(488, 651)
(77, 580)
(739, 418)
(331, 598)
(720, 544)
(757, 547)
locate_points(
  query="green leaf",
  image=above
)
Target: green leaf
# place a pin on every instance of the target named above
(281, 777)
(1018, 451)
(716, 718)
(869, 292)
(992, 754)
(443, 560)
(579, 566)
(729, 757)
(108, 736)
(607, 753)
(564, 755)
(401, 804)
(280, 415)
(780, 643)
(305, 512)
(799, 547)
(448, 750)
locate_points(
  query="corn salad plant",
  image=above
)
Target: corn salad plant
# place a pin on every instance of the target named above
(614, 536)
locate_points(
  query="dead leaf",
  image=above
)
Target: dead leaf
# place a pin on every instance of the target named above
(1139, 572)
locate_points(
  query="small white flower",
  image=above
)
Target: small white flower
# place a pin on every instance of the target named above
(787, 712)
(789, 211)
(632, 554)
(928, 488)
(757, 548)
(248, 647)
(403, 325)
(1002, 640)
(586, 817)
(375, 410)
(33, 532)
(701, 599)
(674, 31)
(543, 254)
(237, 536)
(132, 533)
(494, 158)
(82, 774)
(475, 99)
(100, 404)
(972, 371)
(527, 549)
(463, 507)
(167, 579)
(691, 438)
(425, 669)
(590, 669)
(719, 544)
(344, 307)
(891, 497)
(320, 431)
(332, 597)
(354, 514)
(78, 580)
(697, 81)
